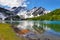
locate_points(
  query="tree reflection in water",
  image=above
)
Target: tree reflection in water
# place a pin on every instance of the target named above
(28, 29)
(36, 30)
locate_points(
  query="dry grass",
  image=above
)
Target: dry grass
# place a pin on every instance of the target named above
(7, 33)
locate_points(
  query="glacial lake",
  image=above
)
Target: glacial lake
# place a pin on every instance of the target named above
(37, 30)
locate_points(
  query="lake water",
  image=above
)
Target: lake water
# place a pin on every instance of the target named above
(37, 30)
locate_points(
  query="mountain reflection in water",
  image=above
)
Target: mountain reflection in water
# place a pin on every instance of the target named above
(37, 30)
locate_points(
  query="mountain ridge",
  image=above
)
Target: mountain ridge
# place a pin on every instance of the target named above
(23, 13)
(53, 15)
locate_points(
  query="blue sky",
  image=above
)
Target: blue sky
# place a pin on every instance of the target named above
(48, 4)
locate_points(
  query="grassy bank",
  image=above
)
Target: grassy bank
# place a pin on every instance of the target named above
(7, 33)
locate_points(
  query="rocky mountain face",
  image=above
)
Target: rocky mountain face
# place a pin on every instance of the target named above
(22, 12)
(34, 11)
(5, 12)
(38, 11)
(18, 9)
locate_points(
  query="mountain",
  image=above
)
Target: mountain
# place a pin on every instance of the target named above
(4, 13)
(22, 12)
(39, 11)
(53, 15)
(8, 13)
(36, 11)
(18, 9)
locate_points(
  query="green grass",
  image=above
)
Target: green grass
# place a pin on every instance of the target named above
(7, 33)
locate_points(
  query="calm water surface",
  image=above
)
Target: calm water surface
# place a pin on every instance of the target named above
(37, 30)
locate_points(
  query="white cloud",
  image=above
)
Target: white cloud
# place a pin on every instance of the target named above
(12, 3)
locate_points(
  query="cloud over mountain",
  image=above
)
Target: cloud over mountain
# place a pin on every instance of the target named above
(13, 3)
